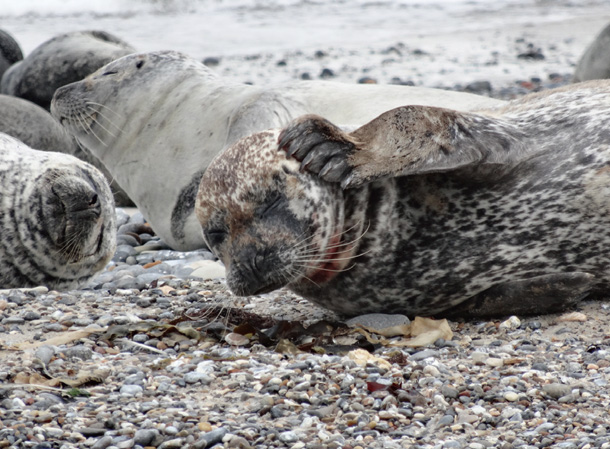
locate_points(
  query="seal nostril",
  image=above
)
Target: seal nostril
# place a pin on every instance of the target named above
(94, 200)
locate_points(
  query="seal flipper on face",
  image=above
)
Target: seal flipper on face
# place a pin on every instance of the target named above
(551, 293)
(403, 141)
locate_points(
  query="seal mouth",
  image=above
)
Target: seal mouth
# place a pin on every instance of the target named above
(335, 260)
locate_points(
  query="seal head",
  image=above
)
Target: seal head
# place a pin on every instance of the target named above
(270, 224)
(58, 218)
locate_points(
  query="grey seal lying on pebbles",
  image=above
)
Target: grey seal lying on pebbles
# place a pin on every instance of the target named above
(422, 211)
(156, 120)
(57, 218)
(59, 61)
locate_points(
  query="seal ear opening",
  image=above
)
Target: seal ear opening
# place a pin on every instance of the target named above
(139, 64)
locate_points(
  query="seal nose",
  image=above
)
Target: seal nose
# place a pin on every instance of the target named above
(251, 273)
(77, 201)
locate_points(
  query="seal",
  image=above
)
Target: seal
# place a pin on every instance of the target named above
(59, 61)
(423, 210)
(10, 51)
(156, 120)
(57, 218)
(595, 61)
(35, 127)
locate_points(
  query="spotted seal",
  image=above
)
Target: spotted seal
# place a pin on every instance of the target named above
(57, 218)
(156, 120)
(423, 210)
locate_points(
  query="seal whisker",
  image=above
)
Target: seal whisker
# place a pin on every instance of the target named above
(93, 103)
(88, 129)
(299, 259)
(97, 122)
(328, 269)
(118, 128)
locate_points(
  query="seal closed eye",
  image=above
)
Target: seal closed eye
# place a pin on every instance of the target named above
(424, 210)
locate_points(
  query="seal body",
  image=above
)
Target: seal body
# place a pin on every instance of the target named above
(595, 61)
(423, 211)
(156, 120)
(57, 218)
(10, 51)
(59, 61)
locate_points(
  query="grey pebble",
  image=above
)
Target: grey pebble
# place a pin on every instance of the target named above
(13, 320)
(421, 355)
(31, 316)
(288, 437)
(102, 443)
(176, 443)
(194, 377)
(45, 353)
(131, 390)
(211, 438)
(92, 431)
(79, 352)
(556, 390)
(145, 437)
(449, 392)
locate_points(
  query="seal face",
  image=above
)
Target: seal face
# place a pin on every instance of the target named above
(156, 120)
(423, 211)
(57, 218)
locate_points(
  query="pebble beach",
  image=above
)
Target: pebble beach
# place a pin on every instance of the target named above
(156, 353)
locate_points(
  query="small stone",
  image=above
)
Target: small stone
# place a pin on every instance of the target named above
(31, 315)
(131, 390)
(211, 438)
(92, 431)
(176, 443)
(78, 352)
(449, 392)
(573, 316)
(45, 354)
(145, 437)
(494, 362)
(102, 443)
(479, 357)
(511, 396)
(556, 390)
(511, 323)
(288, 437)
(236, 339)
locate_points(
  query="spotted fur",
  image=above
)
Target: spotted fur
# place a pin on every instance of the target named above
(57, 218)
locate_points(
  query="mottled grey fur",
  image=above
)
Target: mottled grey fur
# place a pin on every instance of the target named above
(57, 218)
(490, 213)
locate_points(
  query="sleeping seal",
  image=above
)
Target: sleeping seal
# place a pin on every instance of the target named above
(156, 120)
(57, 218)
(423, 210)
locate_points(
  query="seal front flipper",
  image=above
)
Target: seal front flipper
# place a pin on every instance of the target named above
(321, 147)
(550, 293)
(403, 141)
